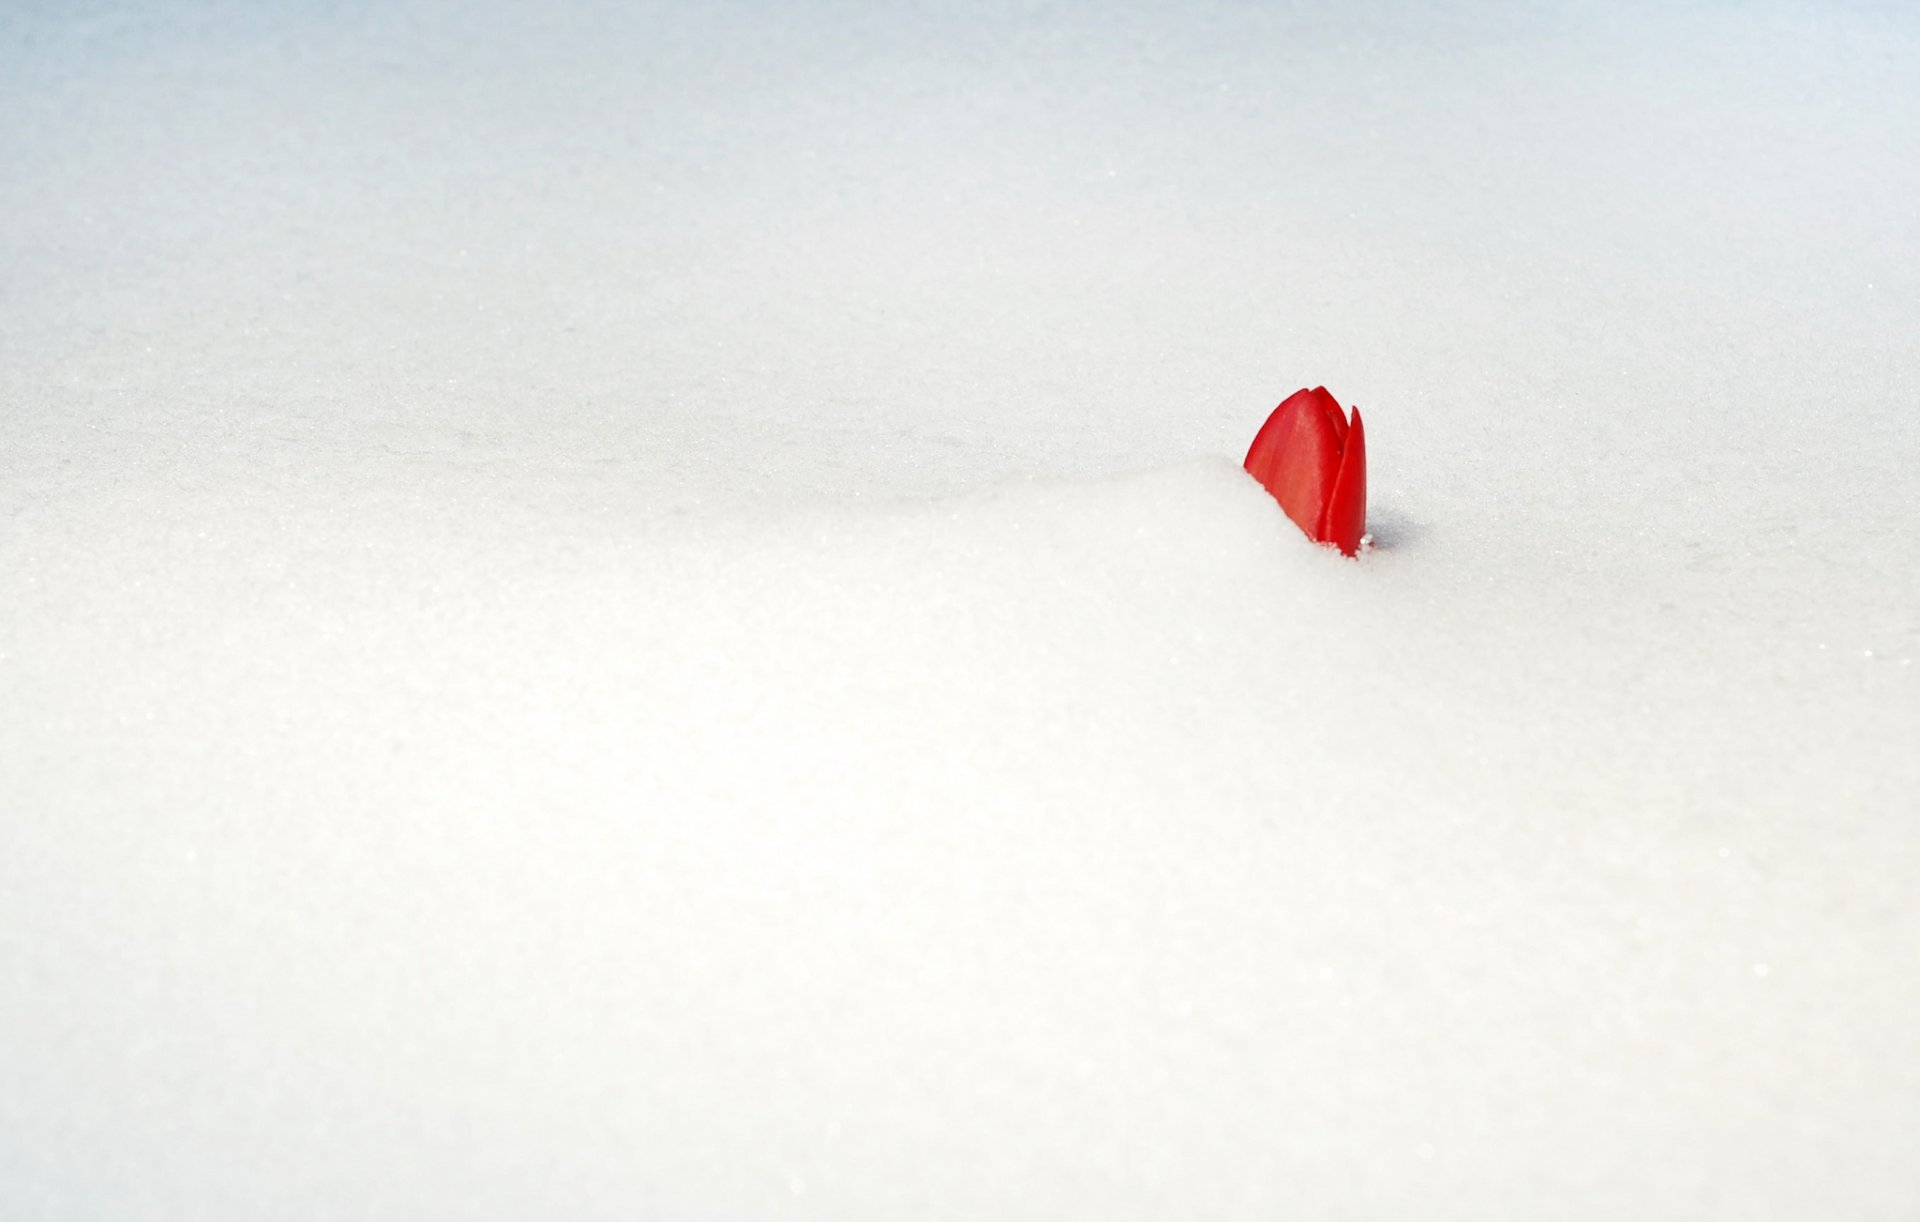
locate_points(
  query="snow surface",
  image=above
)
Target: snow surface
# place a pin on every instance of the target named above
(649, 611)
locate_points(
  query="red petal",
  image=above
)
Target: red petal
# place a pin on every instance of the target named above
(1336, 416)
(1267, 441)
(1346, 519)
(1296, 455)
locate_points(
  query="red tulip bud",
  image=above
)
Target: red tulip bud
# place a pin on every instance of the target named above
(1315, 464)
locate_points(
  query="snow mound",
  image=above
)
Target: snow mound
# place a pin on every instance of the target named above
(1096, 849)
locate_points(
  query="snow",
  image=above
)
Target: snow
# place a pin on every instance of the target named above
(650, 611)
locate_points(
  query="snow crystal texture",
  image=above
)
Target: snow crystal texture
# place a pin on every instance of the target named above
(648, 610)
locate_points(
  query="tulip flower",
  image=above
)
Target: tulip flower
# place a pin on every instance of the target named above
(1315, 464)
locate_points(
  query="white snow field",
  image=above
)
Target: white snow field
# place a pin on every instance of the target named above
(649, 611)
